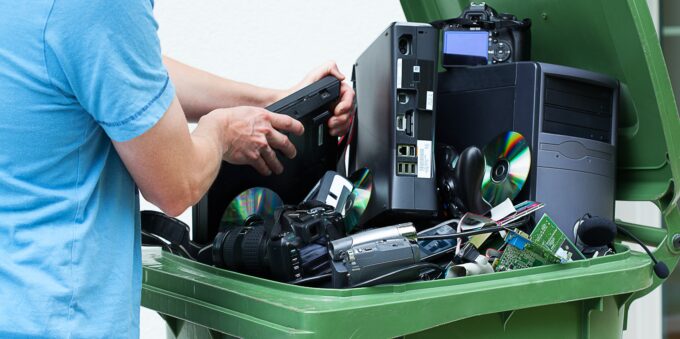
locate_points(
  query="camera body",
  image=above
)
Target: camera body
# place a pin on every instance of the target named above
(481, 36)
(290, 248)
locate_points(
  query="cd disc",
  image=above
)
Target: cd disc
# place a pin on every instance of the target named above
(508, 160)
(254, 203)
(358, 200)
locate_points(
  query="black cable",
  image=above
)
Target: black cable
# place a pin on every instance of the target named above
(465, 234)
(314, 279)
(419, 267)
(660, 268)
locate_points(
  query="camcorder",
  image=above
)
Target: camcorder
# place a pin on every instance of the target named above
(481, 36)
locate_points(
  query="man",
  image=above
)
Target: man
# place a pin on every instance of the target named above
(88, 109)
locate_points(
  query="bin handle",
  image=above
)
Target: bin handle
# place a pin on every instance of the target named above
(666, 240)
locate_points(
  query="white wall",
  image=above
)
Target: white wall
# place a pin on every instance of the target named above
(274, 43)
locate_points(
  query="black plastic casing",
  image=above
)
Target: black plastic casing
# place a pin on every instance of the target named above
(371, 260)
(317, 152)
(382, 74)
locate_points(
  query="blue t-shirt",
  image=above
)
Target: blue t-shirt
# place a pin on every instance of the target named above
(74, 75)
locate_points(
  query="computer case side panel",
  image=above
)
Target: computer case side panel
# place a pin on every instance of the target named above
(395, 81)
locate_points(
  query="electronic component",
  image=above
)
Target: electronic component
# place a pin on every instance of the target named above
(567, 116)
(481, 36)
(432, 249)
(317, 152)
(395, 83)
(521, 252)
(546, 233)
(366, 261)
(333, 190)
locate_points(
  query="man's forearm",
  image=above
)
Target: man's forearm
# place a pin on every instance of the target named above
(200, 92)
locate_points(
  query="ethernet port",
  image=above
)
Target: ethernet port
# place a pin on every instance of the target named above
(402, 150)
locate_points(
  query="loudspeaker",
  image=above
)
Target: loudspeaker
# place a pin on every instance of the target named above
(567, 115)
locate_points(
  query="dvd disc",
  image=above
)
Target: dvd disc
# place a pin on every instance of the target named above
(358, 200)
(256, 202)
(508, 160)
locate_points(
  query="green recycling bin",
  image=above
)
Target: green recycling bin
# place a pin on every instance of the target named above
(582, 299)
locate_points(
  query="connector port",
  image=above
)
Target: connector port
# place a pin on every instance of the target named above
(406, 151)
(409, 122)
(406, 168)
(405, 44)
(402, 98)
(401, 122)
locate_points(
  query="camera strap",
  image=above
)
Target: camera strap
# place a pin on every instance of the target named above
(172, 235)
(487, 25)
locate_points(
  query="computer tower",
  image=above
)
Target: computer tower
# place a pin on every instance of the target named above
(395, 82)
(568, 117)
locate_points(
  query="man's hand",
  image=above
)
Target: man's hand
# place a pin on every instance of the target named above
(174, 169)
(251, 134)
(343, 111)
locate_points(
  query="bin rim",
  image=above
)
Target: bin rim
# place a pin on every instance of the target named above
(279, 308)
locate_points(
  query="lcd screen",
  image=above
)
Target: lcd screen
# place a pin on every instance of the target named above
(466, 48)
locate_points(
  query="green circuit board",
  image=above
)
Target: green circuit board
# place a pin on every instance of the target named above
(548, 234)
(521, 252)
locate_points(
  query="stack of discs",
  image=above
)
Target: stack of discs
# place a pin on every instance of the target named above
(508, 161)
(358, 200)
(252, 205)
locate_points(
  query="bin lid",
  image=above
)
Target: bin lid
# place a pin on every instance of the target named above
(614, 37)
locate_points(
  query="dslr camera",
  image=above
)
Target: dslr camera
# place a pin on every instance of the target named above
(482, 36)
(289, 248)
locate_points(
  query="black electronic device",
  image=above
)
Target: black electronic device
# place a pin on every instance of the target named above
(381, 253)
(481, 36)
(395, 82)
(317, 152)
(594, 236)
(433, 249)
(362, 263)
(281, 250)
(567, 117)
(333, 189)
(460, 186)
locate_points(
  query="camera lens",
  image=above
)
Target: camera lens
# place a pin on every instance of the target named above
(241, 249)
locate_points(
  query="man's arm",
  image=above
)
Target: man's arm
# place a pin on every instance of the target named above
(200, 92)
(174, 168)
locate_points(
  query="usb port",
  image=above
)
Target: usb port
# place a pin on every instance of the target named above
(401, 122)
(406, 168)
(406, 151)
